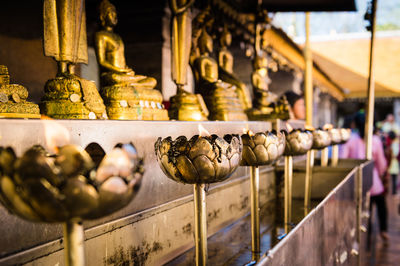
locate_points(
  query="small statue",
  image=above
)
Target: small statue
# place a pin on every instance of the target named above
(127, 95)
(220, 97)
(13, 97)
(184, 105)
(266, 105)
(225, 62)
(68, 96)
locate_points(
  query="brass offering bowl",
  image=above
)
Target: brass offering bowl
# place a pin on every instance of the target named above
(321, 139)
(262, 148)
(199, 160)
(71, 184)
(336, 136)
(345, 134)
(298, 142)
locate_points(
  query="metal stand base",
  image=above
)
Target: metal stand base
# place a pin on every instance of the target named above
(288, 191)
(255, 212)
(74, 243)
(200, 224)
(308, 181)
(335, 155)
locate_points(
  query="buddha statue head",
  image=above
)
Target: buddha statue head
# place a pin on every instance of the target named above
(108, 14)
(226, 38)
(205, 42)
(260, 62)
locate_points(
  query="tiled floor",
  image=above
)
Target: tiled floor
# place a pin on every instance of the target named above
(388, 253)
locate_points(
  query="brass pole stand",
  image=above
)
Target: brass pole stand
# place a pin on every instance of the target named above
(200, 224)
(288, 191)
(369, 123)
(324, 157)
(335, 155)
(74, 243)
(255, 212)
(308, 181)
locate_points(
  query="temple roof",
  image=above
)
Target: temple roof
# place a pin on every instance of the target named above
(346, 58)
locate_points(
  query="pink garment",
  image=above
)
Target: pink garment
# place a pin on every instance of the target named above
(355, 149)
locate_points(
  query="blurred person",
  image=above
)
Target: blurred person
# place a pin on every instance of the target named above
(390, 125)
(297, 105)
(394, 163)
(355, 148)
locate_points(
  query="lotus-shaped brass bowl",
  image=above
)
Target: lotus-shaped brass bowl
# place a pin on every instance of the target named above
(70, 184)
(345, 134)
(321, 139)
(336, 136)
(298, 142)
(262, 148)
(199, 160)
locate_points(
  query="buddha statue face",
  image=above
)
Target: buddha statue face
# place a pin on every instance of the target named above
(108, 14)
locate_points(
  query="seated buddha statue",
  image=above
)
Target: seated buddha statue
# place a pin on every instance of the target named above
(126, 94)
(225, 63)
(13, 103)
(220, 97)
(266, 105)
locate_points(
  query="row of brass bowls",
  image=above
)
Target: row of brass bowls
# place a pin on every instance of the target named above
(262, 148)
(72, 183)
(199, 160)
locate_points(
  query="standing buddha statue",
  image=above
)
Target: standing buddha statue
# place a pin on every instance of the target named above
(220, 97)
(126, 94)
(68, 96)
(225, 63)
(184, 105)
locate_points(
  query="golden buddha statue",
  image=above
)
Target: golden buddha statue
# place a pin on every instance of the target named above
(184, 105)
(126, 94)
(68, 96)
(220, 97)
(13, 97)
(266, 105)
(225, 62)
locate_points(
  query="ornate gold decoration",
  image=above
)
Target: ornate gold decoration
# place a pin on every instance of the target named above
(120, 84)
(220, 97)
(13, 97)
(65, 41)
(184, 105)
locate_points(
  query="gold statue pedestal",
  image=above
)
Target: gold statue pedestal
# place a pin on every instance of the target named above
(266, 108)
(13, 97)
(72, 98)
(223, 104)
(187, 106)
(125, 102)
